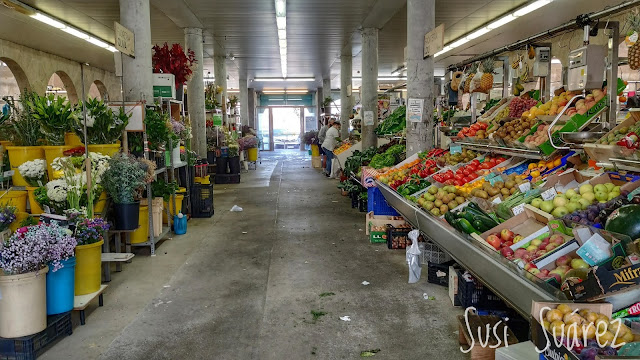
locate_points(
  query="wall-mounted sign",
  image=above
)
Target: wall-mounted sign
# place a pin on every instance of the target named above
(125, 40)
(434, 41)
(368, 118)
(414, 110)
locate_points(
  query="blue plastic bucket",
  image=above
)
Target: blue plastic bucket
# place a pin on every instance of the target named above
(180, 225)
(60, 288)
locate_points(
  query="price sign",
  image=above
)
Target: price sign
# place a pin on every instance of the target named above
(125, 39)
(524, 187)
(497, 200)
(455, 149)
(518, 209)
(217, 120)
(549, 194)
(368, 118)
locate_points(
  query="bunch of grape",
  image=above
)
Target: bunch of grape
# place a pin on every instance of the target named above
(518, 105)
(502, 114)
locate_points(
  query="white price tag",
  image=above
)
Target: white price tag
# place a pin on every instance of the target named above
(549, 194)
(497, 200)
(524, 187)
(9, 173)
(518, 209)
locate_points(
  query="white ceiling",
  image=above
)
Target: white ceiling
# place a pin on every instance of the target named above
(317, 31)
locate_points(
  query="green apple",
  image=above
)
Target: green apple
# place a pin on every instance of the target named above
(571, 193)
(430, 197)
(616, 189)
(600, 188)
(609, 186)
(561, 195)
(602, 196)
(579, 264)
(573, 205)
(586, 188)
(560, 211)
(432, 190)
(584, 203)
(532, 248)
(589, 196)
(536, 242)
(536, 202)
(559, 201)
(546, 206)
(613, 195)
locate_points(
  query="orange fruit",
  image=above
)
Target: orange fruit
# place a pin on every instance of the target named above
(532, 166)
(558, 162)
(535, 174)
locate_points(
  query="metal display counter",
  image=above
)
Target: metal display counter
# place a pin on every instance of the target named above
(503, 277)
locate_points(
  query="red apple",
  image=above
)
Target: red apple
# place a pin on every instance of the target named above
(545, 271)
(519, 253)
(529, 266)
(550, 247)
(508, 243)
(541, 275)
(534, 271)
(555, 276)
(557, 239)
(506, 251)
(494, 241)
(540, 253)
(527, 257)
(544, 243)
(507, 235)
(563, 260)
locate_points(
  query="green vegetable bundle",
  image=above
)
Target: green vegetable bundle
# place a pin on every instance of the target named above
(394, 123)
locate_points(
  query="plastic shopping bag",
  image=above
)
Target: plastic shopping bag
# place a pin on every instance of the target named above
(413, 257)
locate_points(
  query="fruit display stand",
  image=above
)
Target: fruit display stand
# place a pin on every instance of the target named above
(342, 157)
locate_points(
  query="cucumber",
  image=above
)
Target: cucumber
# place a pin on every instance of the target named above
(466, 226)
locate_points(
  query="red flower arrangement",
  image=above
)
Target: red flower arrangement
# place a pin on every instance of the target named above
(173, 61)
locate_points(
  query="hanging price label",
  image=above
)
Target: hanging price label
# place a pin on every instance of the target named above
(497, 200)
(524, 187)
(518, 209)
(455, 149)
(549, 194)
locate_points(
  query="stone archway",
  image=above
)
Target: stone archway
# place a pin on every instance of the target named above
(13, 80)
(98, 90)
(61, 80)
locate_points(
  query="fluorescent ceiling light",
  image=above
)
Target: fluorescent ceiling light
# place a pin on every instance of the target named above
(76, 33)
(283, 79)
(297, 91)
(556, 61)
(233, 91)
(282, 23)
(385, 78)
(282, 34)
(98, 42)
(460, 42)
(531, 7)
(281, 7)
(505, 20)
(49, 21)
(112, 49)
(283, 43)
(478, 33)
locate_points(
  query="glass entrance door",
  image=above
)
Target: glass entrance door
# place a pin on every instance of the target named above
(280, 127)
(264, 128)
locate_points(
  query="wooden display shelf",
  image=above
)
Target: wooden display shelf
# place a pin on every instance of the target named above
(80, 303)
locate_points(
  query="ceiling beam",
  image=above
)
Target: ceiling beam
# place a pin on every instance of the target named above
(381, 12)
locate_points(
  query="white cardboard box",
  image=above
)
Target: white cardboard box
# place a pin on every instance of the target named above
(453, 286)
(520, 351)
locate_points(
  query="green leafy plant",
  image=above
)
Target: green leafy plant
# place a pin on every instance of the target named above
(124, 180)
(327, 101)
(56, 116)
(24, 127)
(161, 188)
(104, 126)
(28, 221)
(158, 128)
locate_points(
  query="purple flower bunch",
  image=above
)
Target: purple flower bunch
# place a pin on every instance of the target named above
(177, 127)
(31, 248)
(90, 231)
(7, 216)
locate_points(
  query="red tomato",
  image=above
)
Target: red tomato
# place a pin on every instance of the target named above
(500, 160)
(459, 176)
(475, 162)
(467, 179)
(447, 176)
(466, 172)
(473, 176)
(459, 171)
(458, 183)
(485, 165)
(449, 182)
(472, 167)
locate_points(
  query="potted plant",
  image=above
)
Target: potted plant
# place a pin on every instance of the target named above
(52, 197)
(234, 157)
(7, 217)
(90, 235)
(178, 131)
(158, 128)
(174, 61)
(233, 102)
(23, 261)
(249, 144)
(56, 116)
(124, 181)
(326, 105)
(26, 135)
(62, 263)
(104, 127)
(34, 172)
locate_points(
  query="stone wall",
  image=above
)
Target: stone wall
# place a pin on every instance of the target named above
(32, 70)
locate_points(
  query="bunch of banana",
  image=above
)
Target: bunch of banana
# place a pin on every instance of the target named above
(516, 63)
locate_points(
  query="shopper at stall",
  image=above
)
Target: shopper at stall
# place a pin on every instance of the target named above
(321, 136)
(330, 142)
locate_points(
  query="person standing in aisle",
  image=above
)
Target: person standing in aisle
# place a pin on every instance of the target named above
(330, 142)
(321, 137)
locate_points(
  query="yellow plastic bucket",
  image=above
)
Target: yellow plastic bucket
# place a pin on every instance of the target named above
(252, 154)
(19, 155)
(88, 268)
(53, 152)
(33, 204)
(72, 139)
(142, 233)
(105, 149)
(315, 150)
(100, 203)
(17, 198)
(6, 143)
(169, 205)
(20, 216)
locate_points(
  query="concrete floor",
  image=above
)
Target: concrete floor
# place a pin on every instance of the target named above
(218, 293)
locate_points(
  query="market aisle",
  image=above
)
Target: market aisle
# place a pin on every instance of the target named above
(250, 296)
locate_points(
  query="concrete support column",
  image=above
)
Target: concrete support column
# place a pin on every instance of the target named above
(251, 108)
(369, 91)
(420, 20)
(138, 81)
(220, 71)
(195, 91)
(319, 99)
(244, 101)
(346, 100)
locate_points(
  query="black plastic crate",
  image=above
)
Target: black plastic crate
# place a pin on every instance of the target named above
(29, 347)
(227, 179)
(398, 237)
(473, 293)
(202, 200)
(435, 271)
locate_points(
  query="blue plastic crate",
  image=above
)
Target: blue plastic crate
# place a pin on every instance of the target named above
(378, 204)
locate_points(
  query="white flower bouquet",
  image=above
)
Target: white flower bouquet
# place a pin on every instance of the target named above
(34, 172)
